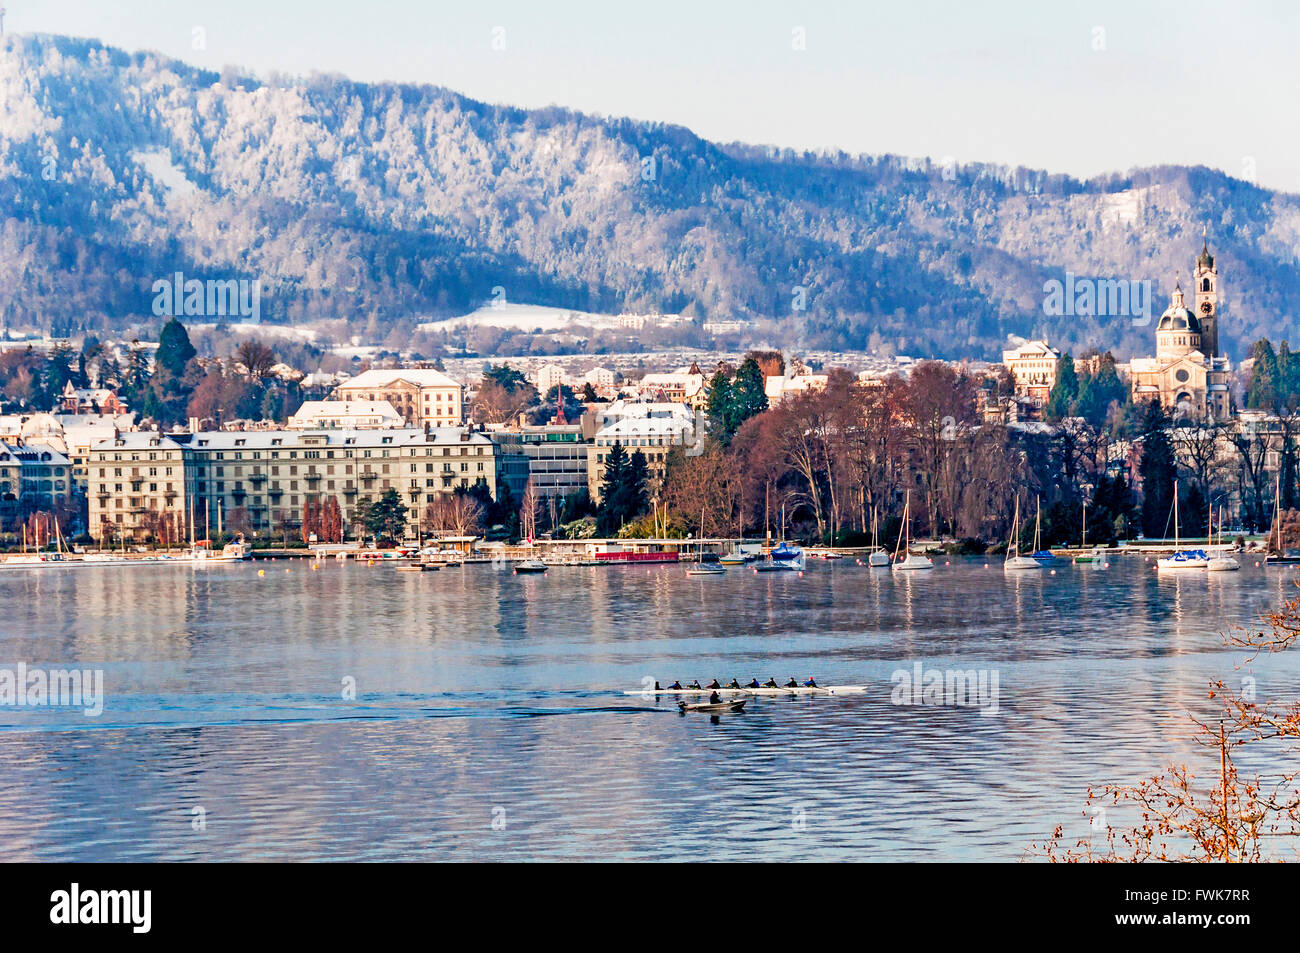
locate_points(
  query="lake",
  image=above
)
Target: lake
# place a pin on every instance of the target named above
(351, 712)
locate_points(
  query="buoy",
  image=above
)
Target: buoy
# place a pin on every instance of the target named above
(986, 565)
(1053, 572)
(286, 569)
(946, 563)
(261, 572)
(1256, 563)
(800, 573)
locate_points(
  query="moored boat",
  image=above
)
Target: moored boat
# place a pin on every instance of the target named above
(904, 559)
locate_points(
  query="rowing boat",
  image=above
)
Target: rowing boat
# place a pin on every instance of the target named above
(734, 705)
(766, 690)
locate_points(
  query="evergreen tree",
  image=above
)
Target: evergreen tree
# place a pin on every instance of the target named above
(1263, 391)
(384, 518)
(174, 348)
(1066, 389)
(718, 408)
(1158, 469)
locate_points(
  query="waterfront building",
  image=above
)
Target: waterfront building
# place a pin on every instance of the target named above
(346, 415)
(422, 395)
(262, 479)
(1033, 369)
(136, 487)
(554, 457)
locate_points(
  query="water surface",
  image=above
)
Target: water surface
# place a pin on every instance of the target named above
(489, 720)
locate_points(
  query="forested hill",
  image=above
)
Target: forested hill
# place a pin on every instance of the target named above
(388, 203)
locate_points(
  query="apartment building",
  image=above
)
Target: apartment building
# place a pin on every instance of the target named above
(137, 488)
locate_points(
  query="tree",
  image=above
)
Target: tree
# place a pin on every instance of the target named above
(384, 518)
(174, 348)
(623, 492)
(1263, 391)
(1065, 391)
(1232, 818)
(257, 358)
(1159, 470)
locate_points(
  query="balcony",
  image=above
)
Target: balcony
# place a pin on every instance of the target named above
(256, 477)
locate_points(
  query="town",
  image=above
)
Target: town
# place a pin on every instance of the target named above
(150, 445)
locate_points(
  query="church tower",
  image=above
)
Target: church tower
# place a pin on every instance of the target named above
(1206, 282)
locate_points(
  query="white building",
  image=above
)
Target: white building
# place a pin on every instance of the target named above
(778, 388)
(346, 415)
(548, 376)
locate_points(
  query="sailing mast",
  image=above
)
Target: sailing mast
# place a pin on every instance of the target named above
(907, 504)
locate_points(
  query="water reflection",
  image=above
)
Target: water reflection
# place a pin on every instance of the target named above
(482, 695)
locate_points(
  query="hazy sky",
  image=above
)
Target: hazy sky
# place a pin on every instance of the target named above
(1082, 88)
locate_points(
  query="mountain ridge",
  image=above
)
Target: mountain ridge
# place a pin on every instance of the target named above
(394, 203)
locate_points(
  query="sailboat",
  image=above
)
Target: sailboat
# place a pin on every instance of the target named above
(703, 568)
(1040, 554)
(1220, 561)
(1182, 558)
(879, 559)
(1014, 560)
(903, 559)
(1278, 556)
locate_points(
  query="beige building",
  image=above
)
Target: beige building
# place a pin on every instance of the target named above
(1188, 375)
(136, 488)
(1033, 368)
(263, 478)
(422, 395)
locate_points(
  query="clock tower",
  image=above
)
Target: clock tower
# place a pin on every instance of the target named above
(1206, 282)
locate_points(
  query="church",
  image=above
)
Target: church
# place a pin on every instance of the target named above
(1188, 374)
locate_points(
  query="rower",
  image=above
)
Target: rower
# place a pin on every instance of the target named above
(792, 683)
(715, 699)
(736, 684)
(714, 684)
(675, 686)
(771, 683)
(810, 683)
(657, 688)
(754, 684)
(695, 683)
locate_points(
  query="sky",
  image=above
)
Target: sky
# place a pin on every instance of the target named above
(1080, 88)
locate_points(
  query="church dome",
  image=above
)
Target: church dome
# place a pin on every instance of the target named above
(1178, 317)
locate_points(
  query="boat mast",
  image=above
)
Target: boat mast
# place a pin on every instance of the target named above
(902, 529)
(1013, 547)
(1083, 543)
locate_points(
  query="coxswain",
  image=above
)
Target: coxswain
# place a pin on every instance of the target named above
(715, 699)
